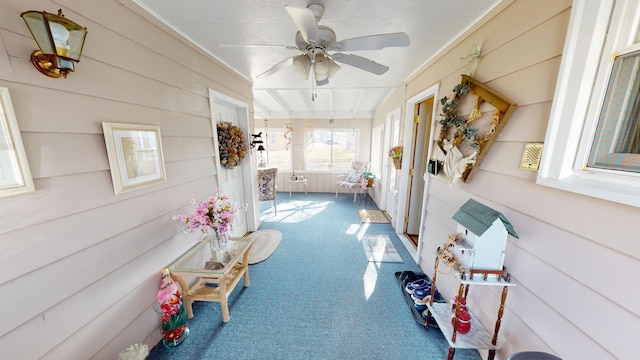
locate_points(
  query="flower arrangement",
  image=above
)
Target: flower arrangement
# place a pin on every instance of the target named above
(395, 152)
(368, 175)
(366, 179)
(215, 213)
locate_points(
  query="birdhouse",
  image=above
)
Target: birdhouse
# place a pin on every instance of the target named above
(484, 234)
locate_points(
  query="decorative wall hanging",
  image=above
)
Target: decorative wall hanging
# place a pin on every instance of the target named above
(231, 144)
(473, 59)
(135, 156)
(287, 135)
(15, 176)
(461, 145)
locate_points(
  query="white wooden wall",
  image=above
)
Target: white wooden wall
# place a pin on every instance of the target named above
(79, 266)
(577, 259)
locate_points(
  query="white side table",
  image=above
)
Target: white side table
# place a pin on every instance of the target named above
(304, 181)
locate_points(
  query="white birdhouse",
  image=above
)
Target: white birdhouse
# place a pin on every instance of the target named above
(484, 237)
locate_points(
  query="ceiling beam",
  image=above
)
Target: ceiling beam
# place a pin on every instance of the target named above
(357, 101)
(276, 97)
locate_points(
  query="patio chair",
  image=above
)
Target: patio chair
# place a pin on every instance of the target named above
(353, 180)
(267, 186)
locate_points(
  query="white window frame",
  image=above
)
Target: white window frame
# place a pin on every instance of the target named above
(582, 81)
(356, 133)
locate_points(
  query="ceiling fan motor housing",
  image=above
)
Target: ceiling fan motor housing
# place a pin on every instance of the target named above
(326, 37)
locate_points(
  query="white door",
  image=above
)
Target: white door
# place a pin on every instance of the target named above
(231, 181)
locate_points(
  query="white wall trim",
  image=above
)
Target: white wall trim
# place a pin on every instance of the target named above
(404, 189)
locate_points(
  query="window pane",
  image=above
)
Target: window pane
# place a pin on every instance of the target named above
(330, 149)
(277, 155)
(318, 150)
(343, 148)
(615, 145)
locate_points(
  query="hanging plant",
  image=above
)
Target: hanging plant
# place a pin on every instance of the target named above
(231, 144)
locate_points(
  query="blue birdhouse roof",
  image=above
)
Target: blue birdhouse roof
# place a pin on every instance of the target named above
(478, 218)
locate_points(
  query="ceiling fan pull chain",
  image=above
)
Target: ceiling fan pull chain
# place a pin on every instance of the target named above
(314, 87)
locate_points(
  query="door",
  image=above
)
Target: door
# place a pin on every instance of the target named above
(421, 137)
(231, 181)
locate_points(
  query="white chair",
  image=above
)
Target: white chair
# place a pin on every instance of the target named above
(267, 186)
(353, 180)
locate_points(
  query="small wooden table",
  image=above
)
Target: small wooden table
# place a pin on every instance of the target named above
(206, 275)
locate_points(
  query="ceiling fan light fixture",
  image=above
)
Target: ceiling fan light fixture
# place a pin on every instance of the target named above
(302, 65)
(324, 68)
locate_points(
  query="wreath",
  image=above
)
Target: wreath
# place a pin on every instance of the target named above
(231, 144)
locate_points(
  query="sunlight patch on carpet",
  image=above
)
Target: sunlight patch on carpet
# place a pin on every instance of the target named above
(379, 248)
(373, 216)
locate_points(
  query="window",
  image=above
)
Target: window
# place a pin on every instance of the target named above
(330, 149)
(591, 142)
(277, 154)
(615, 144)
(377, 149)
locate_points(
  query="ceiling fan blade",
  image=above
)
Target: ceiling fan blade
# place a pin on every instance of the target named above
(305, 20)
(360, 62)
(372, 42)
(322, 82)
(277, 67)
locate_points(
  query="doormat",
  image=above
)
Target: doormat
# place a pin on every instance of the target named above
(379, 248)
(373, 216)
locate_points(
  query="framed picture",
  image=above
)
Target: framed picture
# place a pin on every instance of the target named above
(135, 156)
(15, 176)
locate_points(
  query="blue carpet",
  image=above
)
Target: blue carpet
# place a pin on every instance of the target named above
(316, 297)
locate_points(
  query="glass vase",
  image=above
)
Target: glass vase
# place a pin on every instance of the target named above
(217, 241)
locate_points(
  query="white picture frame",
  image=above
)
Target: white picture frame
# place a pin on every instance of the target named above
(15, 176)
(135, 156)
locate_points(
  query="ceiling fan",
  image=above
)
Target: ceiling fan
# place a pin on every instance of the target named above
(321, 51)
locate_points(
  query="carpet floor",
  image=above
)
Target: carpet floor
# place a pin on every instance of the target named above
(316, 297)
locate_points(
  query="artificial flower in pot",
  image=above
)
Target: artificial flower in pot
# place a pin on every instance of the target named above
(213, 219)
(395, 153)
(369, 176)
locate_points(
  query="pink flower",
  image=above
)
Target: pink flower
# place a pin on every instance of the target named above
(217, 213)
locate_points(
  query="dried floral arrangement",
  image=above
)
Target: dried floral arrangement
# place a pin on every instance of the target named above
(232, 145)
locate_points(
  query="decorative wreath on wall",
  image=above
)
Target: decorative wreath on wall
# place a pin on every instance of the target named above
(231, 144)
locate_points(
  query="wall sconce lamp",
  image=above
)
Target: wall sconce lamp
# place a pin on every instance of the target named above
(60, 41)
(257, 140)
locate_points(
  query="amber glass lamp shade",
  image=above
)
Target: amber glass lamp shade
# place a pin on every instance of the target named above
(60, 41)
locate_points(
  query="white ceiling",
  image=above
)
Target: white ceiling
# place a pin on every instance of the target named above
(351, 93)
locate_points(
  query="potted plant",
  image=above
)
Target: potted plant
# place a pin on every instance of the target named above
(395, 153)
(369, 176)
